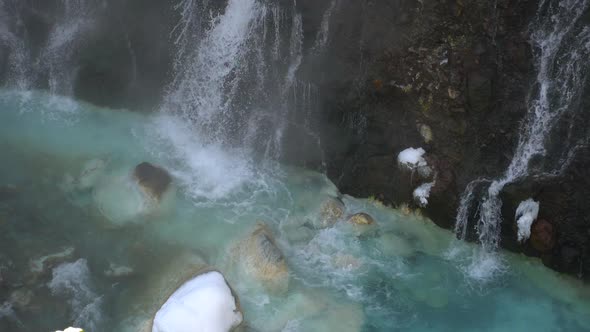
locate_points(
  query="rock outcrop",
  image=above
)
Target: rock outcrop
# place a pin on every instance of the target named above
(153, 180)
(259, 257)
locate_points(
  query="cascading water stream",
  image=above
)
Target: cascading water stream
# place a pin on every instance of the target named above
(55, 60)
(63, 42)
(561, 53)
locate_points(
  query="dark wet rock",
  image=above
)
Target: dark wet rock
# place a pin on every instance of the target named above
(154, 180)
(448, 74)
(542, 236)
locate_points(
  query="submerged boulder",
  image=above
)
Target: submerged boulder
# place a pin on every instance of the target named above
(259, 257)
(361, 219)
(331, 211)
(153, 180)
(206, 302)
(124, 199)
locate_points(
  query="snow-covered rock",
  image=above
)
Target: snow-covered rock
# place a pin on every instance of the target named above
(71, 329)
(526, 214)
(205, 303)
(412, 158)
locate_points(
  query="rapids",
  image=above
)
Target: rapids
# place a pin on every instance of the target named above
(69, 164)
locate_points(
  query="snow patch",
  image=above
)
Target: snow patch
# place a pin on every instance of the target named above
(71, 329)
(526, 213)
(422, 193)
(204, 303)
(411, 158)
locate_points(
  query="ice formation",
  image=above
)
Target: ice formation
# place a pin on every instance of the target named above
(205, 303)
(422, 193)
(526, 213)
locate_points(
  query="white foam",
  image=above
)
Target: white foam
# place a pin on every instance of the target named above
(206, 170)
(422, 193)
(72, 282)
(412, 158)
(204, 303)
(526, 213)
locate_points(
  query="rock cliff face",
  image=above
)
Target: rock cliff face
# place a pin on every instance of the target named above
(455, 82)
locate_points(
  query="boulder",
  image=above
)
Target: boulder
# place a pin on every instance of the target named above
(259, 257)
(205, 302)
(331, 211)
(362, 219)
(153, 180)
(145, 194)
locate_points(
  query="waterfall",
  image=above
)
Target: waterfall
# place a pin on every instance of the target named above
(560, 43)
(63, 42)
(55, 61)
(11, 37)
(323, 34)
(236, 76)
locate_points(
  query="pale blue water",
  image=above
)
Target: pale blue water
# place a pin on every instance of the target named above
(405, 274)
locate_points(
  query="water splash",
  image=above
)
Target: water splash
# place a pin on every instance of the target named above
(199, 92)
(562, 69)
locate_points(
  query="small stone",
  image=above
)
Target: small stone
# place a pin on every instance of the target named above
(453, 94)
(361, 219)
(426, 132)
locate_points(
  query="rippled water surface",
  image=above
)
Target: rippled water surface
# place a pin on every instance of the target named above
(67, 193)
